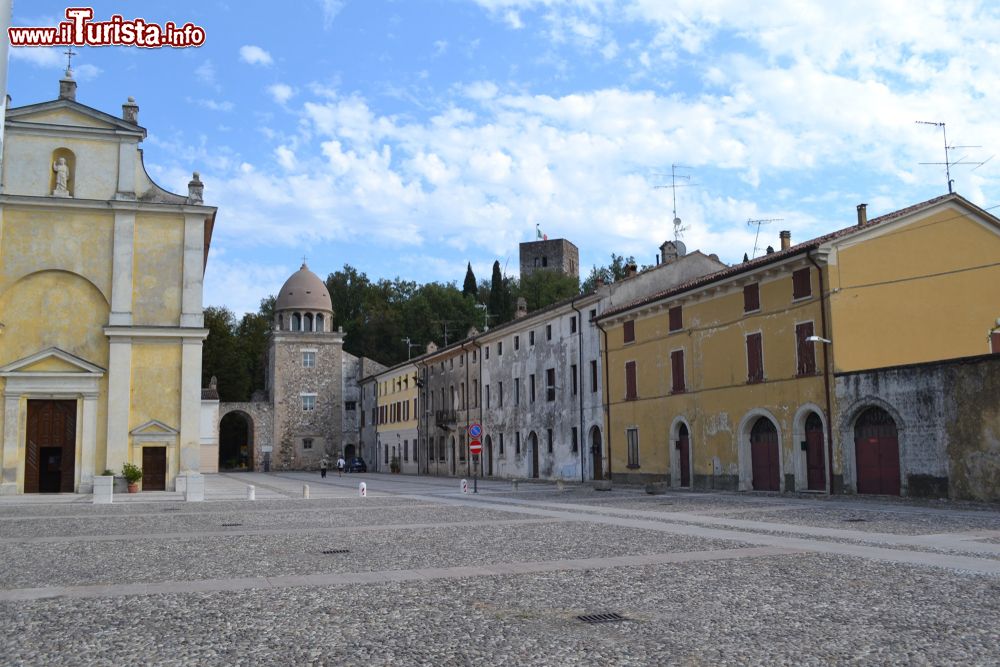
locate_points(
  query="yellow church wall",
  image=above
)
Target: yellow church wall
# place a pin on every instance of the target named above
(158, 270)
(925, 291)
(76, 241)
(94, 176)
(717, 397)
(156, 384)
(67, 117)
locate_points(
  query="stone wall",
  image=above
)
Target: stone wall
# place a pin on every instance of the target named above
(550, 255)
(260, 427)
(948, 421)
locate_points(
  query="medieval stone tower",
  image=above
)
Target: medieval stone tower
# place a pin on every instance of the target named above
(305, 374)
(550, 255)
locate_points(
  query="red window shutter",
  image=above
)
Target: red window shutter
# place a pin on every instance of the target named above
(751, 298)
(629, 331)
(995, 342)
(806, 349)
(801, 284)
(677, 371)
(676, 319)
(755, 359)
(630, 385)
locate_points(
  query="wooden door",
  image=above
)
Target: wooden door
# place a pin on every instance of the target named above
(595, 450)
(764, 456)
(684, 456)
(50, 454)
(489, 456)
(154, 468)
(815, 462)
(876, 450)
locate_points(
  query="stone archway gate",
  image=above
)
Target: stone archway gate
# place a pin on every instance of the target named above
(260, 429)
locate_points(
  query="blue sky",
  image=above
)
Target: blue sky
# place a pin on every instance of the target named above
(407, 138)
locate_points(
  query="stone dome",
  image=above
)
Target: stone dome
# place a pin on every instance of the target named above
(303, 291)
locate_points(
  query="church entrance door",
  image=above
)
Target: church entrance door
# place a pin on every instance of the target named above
(50, 455)
(154, 468)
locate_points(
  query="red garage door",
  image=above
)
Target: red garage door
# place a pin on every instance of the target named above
(876, 450)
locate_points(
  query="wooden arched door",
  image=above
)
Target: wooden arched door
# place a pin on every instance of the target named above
(876, 451)
(764, 456)
(815, 461)
(684, 456)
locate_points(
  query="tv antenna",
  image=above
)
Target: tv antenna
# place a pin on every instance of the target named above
(948, 162)
(409, 346)
(678, 227)
(444, 325)
(759, 223)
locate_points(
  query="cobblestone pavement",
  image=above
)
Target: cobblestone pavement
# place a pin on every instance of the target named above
(417, 573)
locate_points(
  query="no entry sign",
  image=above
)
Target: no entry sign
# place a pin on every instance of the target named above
(475, 447)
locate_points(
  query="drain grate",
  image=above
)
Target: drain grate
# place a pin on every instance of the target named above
(329, 552)
(854, 520)
(172, 509)
(231, 525)
(602, 618)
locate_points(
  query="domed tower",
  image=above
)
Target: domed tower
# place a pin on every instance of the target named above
(305, 375)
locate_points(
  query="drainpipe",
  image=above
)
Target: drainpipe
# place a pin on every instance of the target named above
(607, 399)
(468, 384)
(826, 371)
(579, 386)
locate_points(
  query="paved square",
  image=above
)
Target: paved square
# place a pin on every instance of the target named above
(417, 573)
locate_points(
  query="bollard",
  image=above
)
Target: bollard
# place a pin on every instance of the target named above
(560, 486)
(513, 485)
(465, 486)
(362, 490)
(305, 491)
(251, 492)
(103, 489)
(194, 491)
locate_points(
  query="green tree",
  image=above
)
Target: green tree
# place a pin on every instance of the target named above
(469, 286)
(543, 288)
(610, 273)
(222, 356)
(500, 303)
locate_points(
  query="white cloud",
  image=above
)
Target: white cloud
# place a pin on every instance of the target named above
(281, 92)
(213, 105)
(254, 55)
(205, 73)
(331, 8)
(52, 58)
(440, 47)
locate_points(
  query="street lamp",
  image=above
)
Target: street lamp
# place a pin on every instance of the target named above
(818, 339)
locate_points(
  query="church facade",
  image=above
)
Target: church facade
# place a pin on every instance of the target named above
(101, 328)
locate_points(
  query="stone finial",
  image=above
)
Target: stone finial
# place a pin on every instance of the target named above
(67, 86)
(196, 189)
(213, 383)
(522, 308)
(130, 111)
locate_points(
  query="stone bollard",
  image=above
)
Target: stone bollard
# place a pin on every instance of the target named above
(656, 488)
(464, 486)
(305, 491)
(194, 491)
(513, 485)
(103, 489)
(362, 490)
(602, 485)
(251, 492)
(560, 486)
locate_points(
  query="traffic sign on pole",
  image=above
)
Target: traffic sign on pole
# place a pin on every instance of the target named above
(475, 447)
(475, 430)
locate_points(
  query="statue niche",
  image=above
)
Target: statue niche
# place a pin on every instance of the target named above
(61, 178)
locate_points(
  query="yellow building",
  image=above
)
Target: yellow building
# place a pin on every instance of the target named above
(728, 381)
(101, 275)
(396, 418)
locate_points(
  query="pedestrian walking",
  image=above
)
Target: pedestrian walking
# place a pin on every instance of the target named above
(340, 466)
(322, 467)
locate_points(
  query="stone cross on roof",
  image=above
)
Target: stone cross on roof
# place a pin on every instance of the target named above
(69, 53)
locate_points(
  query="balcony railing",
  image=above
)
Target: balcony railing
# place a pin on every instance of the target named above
(446, 417)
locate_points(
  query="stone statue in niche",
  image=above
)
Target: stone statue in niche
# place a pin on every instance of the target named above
(62, 178)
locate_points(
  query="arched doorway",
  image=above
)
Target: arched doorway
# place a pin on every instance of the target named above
(764, 456)
(349, 452)
(533, 445)
(595, 453)
(488, 446)
(683, 446)
(815, 460)
(236, 441)
(452, 465)
(876, 451)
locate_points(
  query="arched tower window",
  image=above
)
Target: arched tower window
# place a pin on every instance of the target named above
(307, 322)
(320, 324)
(281, 321)
(296, 322)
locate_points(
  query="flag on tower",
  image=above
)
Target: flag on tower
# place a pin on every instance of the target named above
(539, 235)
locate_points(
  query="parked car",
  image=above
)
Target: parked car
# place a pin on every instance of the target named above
(357, 464)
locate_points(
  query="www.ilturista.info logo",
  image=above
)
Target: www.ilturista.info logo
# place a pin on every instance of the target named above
(81, 30)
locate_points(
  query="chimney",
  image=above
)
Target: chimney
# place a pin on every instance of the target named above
(668, 252)
(599, 281)
(130, 111)
(862, 215)
(631, 270)
(786, 239)
(196, 190)
(67, 86)
(522, 308)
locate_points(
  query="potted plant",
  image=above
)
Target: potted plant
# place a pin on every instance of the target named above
(394, 464)
(132, 474)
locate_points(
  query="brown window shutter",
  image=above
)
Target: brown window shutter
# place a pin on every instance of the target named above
(630, 385)
(755, 361)
(995, 342)
(677, 371)
(801, 284)
(676, 319)
(629, 331)
(751, 298)
(806, 349)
